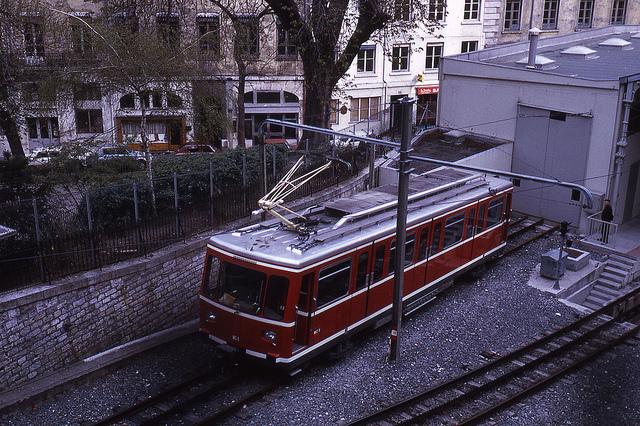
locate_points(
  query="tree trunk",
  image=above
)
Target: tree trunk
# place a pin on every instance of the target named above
(317, 99)
(147, 153)
(242, 77)
(10, 128)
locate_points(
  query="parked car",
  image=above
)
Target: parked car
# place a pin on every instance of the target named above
(42, 156)
(120, 152)
(196, 149)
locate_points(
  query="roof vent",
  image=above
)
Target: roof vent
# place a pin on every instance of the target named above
(580, 51)
(454, 136)
(616, 42)
(542, 62)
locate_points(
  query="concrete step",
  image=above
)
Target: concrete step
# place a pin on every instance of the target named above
(613, 285)
(605, 297)
(595, 301)
(606, 290)
(612, 277)
(591, 305)
(620, 265)
(623, 259)
(610, 269)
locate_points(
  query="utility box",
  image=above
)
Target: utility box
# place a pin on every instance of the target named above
(549, 267)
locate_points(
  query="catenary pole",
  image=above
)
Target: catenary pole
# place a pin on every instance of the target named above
(401, 228)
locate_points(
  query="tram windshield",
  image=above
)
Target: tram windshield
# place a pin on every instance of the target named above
(240, 287)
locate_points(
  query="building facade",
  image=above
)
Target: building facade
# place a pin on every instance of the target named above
(392, 67)
(573, 115)
(508, 21)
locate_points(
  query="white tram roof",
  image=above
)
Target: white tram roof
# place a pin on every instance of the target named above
(346, 223)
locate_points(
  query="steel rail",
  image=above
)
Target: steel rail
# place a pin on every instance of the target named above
(534, 237)
(548, 380)
(524, 228)
(434, 390)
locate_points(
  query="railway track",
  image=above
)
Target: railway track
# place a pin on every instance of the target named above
(524, 230)
(180, 401)
(501, 382)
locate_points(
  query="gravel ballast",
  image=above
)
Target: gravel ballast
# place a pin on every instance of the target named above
(494, 313)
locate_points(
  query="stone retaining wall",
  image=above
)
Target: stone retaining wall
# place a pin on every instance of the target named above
(44, 328)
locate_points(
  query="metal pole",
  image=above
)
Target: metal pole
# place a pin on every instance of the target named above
(264, 167)
(273, 161)
(87, 199)
(211, 191)
(564, 226)
(244, 183)
(136, 216)
(43, 277)
(175, 202)
(621, 144)
(401, 229)
(372, 163)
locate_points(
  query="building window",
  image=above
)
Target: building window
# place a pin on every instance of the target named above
(550, 15)
(437, 10)
(87, 92)
(402, 10)
(33, 39)
(585, 14)
(173, 100)
(400, 58)
(471, 9)
(469, 46)
(333, 111)
(248, 37)
(367, 59)
(169, 30)
(43, 128)
(434, 53)
(512, 15)
(81, 42)
(575, 195)
(209, 34)
(151, 99)
(364, 108)
(89, 121)
(286, 48)
(618, 11)
(128, 101)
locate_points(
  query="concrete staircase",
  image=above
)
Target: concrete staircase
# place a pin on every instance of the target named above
(618, 271)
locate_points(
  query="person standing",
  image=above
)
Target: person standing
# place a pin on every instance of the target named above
(606, 216)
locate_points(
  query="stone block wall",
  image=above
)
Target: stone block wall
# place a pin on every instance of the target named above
(45, 328)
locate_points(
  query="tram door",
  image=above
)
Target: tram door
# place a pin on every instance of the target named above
(304, 310)
(361, 275)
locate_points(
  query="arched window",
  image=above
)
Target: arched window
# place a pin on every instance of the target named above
(290, 98)
(128, 101)
(173, 100)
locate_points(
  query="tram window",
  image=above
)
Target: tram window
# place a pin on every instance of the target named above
(472, 215)
(303, 298)
(275, 300)
(479, 226)
(453, 230)
(212, 279)
(392, 259)
(333, 282)
(435, 244)
(408, 249)
(240, 287)
(378, 266)
(363, 263)
(424, 241)
(494, 213)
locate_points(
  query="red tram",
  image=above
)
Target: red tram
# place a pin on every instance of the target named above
(284, 297)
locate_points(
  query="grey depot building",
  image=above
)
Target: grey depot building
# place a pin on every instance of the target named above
(570, 105)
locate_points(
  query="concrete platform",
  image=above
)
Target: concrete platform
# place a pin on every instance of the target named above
(570, 282)
(110, 357)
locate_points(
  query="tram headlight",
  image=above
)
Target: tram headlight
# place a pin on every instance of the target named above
(211, 317)
(270, 336)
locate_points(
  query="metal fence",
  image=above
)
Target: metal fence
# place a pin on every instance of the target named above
(71, 233)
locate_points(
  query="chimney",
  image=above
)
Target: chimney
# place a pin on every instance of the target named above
(534, 34)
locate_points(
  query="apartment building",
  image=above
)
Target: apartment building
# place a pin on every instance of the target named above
(96, 112)
(508, 21)
(393, 67)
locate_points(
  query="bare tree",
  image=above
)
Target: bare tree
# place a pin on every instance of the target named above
(329, 35)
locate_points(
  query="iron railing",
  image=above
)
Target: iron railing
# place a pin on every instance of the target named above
(600, 231)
